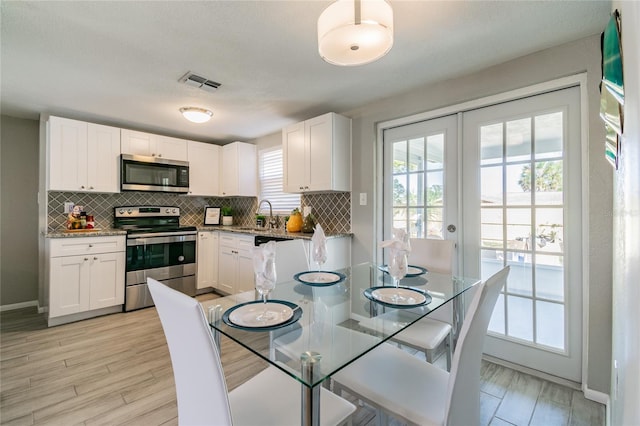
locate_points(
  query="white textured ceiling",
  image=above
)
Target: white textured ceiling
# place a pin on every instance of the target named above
(119, 62)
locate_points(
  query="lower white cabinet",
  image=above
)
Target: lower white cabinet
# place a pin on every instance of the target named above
(207, 275)
(235, 272)
(85, 274)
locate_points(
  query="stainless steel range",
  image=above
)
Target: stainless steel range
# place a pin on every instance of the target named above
(157, 247)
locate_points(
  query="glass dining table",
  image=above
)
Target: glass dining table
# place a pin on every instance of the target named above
(320, 332)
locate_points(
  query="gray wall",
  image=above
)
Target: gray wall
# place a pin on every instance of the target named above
(19, 210)
(576, 57)
(625, 409)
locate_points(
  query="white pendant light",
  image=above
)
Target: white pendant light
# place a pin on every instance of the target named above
(196, 115)
(355, 32)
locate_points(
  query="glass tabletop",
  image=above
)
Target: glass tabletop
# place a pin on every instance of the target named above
(331, 324)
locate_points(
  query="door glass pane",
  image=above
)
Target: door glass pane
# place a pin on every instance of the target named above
(549, 316)
(491, 231)
(435, 228)
(435, 188)
(416, 222)
(519, 229)
(519, 140)
(400, 190)
(416, 189)
(518, 189)
(549, 230)
(519, 281)
(416, 154)
(520, 318)
(491, 144)
(399, 157)
(548, 131)
(435, 152)
(491, 186)
(492, 262)
(548, 179)
(550, 278)
(400, 218)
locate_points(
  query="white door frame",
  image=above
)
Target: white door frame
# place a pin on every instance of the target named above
(560, 83)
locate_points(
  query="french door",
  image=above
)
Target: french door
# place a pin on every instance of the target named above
(518, 202)
(420, 185)
(522, 207)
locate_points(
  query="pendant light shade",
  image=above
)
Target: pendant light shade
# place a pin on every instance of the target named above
(355, 32)
(196, 115)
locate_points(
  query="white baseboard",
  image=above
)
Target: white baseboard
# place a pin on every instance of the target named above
(20, 305)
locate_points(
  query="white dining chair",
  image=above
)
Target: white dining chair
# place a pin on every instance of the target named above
(429, 334)
(417, 392)
(269, 398)
(291, 258)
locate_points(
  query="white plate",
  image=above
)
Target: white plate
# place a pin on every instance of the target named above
(246, 316)
(406, 296)
(319, 277)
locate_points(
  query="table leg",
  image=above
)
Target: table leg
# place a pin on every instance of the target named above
(310, 410)
(215, 313)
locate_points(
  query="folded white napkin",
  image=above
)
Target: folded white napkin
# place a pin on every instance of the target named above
(262, 254)
(398, 242)
(319, 241)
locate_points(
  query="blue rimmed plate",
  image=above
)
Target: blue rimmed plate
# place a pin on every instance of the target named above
(412, 270)
(320, 278)
(398, 297)
(245, 315)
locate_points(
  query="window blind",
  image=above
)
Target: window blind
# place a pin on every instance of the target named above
(271, 171)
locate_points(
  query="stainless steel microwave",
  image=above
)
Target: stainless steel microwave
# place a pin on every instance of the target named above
(141, 173)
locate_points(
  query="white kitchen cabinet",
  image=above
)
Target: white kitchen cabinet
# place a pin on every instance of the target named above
(150, 145)
(317, 154)
(239, 170)
(207, 274)
(82, 157)
(85, 274)
(204, 169)
(235, 273)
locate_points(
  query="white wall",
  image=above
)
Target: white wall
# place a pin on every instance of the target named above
(625, 400)
(572, 58)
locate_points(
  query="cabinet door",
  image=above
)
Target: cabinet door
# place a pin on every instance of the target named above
(137, 143)
(319, 135)
(227, 269)
(170, 148)
(205, 260)
(68, 285)
(107, 280)
(294, 158)
(229, 176)
(204, 164)
(245, 277)
(103, 158)
(67, 155)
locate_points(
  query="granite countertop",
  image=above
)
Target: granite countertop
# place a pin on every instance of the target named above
(275, 233)
(106, 232)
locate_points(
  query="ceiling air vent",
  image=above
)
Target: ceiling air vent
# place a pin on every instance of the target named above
(193, 80)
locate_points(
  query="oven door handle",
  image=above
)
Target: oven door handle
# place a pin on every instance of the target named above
(165, 234)
(156, 239)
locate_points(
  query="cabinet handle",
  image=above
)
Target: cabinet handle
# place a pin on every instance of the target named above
(153, 154)
(159, 155)
(95, 258)
(90, 245)
(82, 187)
(86, 258)
(91, 187)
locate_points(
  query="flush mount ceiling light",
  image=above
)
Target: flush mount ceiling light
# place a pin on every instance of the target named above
(196, 115)
(355, 32)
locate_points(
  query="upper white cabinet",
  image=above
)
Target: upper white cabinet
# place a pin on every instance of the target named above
(82, 156)
(239, 170)
(317, 154)
(150, 145)
(204, 166)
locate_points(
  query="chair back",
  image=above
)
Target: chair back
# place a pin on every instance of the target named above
(291, 258)
(200, 384)
(463, 402)
(435, 255)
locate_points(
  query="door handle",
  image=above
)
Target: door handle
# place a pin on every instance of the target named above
(451, 228)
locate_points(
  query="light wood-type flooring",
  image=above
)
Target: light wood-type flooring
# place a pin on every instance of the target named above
(116, 370)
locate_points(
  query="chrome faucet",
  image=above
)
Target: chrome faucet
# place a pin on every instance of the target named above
(272, 220)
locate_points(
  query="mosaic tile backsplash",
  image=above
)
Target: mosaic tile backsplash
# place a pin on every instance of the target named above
(331, 210)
